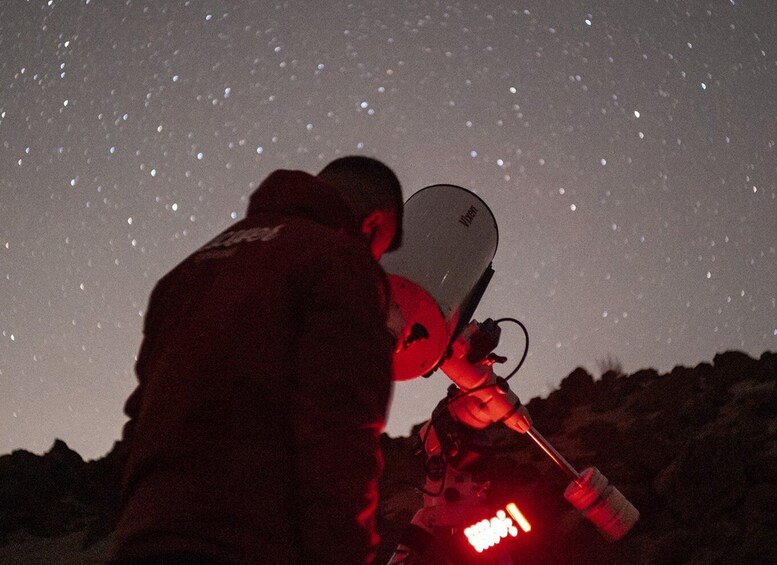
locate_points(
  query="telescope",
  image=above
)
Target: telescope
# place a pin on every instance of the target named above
(437, 280)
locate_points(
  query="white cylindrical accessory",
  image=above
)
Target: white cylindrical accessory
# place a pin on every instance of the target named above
(602, 504)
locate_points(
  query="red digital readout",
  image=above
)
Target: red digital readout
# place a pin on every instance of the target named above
(489, 532)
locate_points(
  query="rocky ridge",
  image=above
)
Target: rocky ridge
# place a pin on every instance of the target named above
(695, 450)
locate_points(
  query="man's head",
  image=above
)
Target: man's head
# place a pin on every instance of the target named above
(374, 195)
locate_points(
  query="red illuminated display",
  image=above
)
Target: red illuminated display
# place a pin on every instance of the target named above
(489, 532)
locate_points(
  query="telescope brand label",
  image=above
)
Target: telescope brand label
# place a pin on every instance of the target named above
(467, 217)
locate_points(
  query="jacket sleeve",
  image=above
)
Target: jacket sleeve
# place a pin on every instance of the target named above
(340, 399)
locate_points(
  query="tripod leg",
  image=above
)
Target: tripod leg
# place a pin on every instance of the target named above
(413, 541)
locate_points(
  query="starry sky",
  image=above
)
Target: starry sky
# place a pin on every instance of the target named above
(627, 150)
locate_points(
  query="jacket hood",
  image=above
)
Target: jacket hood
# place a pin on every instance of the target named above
(296, 193)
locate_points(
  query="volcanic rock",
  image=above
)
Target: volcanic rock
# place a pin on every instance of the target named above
(695, 450)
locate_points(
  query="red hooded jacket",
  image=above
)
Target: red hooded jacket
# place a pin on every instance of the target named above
(264, 381)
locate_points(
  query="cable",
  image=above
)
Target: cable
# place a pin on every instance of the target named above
(525, 349)
(512, 373)
(433, 494)
(436, 414)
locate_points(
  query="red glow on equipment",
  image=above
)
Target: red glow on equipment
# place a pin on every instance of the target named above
(489, 532)
(512, 509)
(426, 335)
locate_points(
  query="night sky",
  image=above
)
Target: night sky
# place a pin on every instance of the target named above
(627, 150)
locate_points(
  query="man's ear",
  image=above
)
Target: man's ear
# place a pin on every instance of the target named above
(372, 222)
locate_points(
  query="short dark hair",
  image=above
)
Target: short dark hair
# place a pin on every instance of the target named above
(366, 185)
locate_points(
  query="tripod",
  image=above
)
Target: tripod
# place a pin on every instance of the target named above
(453, 526)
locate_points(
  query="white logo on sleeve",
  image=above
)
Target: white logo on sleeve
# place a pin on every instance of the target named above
(230, 238)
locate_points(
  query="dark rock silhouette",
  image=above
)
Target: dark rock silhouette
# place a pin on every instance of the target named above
(56, 494)
(695, 450)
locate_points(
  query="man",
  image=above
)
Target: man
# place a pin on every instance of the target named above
(264, 381)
